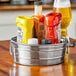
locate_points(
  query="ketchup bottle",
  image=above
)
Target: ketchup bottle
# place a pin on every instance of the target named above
(53, 29)
(38, 18)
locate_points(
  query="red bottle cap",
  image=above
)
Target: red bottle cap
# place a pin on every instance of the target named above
(53, 19)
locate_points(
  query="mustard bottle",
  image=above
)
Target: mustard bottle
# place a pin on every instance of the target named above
(24, 28)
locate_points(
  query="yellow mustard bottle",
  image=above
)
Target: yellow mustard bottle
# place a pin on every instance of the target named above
(24, 28)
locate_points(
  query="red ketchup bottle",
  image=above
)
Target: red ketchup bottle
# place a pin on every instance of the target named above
(53, 27)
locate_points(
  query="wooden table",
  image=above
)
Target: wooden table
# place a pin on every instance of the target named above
(9, 68)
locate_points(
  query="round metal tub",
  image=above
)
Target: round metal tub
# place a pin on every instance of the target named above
(38, 54)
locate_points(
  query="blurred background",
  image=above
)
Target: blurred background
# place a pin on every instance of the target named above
(10, 9)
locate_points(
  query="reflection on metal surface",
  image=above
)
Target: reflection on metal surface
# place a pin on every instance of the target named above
(66, 58)
(52, 71)
(71, 68)
(23, 71)
(71, 65)
(13, 71)
(19, 70)
(67, 69)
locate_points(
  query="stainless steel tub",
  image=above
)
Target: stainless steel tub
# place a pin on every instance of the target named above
(38, 54)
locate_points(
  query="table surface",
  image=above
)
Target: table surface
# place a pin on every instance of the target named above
(9, 68)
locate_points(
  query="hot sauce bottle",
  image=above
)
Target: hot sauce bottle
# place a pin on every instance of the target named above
(53, 29)
(38, 18)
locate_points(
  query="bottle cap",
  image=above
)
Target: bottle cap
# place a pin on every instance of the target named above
(53, 19)
(38, 3)
(46, 41)
(33, 41)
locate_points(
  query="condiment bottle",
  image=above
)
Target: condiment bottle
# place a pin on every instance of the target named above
(53, 27)
(38, 18)
(25, 26)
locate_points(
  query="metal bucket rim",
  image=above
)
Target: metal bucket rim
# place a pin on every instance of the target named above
(13, 41)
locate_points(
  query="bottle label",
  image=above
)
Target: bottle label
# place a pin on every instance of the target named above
(41, 30)
(51, 33)
(19, 35)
